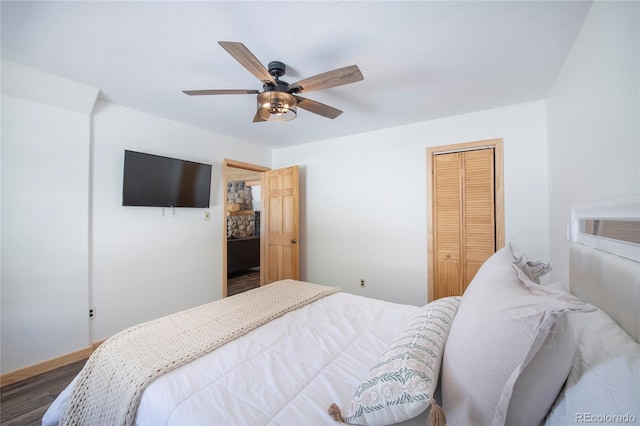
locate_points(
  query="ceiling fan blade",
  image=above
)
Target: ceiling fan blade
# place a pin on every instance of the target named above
(219, 92)
(318, 108)
(247, 60)
(334, 78)
(257, 118)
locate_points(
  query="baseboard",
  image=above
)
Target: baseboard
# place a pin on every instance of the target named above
(42, 367)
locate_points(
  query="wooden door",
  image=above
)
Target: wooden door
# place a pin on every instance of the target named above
(464, 225)
(447, 224)
(478, 216)
(280, 228)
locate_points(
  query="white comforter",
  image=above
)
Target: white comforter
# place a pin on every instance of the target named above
(286, 372)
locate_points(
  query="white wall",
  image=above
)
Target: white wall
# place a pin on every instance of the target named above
(593, 120)
(68, 244)
(146, 265)
(45, 216)
(363, 203)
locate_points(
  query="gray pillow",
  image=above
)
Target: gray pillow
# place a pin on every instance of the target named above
(509, 350)
(533, 269)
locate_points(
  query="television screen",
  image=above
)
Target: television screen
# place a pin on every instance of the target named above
(155, 181)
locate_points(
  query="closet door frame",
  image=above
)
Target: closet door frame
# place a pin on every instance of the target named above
(496, 144)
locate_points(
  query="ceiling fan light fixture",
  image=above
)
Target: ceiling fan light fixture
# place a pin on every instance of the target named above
(277, 106)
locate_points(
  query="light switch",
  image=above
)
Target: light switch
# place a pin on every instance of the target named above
(207, 216)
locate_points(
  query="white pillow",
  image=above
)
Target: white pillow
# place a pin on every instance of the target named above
(604, 382)
(401, 384)
(509, 350)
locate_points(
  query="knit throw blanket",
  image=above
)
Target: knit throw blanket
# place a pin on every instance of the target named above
(110, 385)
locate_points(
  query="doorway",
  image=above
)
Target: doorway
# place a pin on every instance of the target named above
(465, 205)
(275, 248)
(241, 248)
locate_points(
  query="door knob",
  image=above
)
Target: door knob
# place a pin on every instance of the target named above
(294, 241)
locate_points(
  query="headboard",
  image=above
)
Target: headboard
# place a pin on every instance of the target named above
(605, 259)
(608, 281)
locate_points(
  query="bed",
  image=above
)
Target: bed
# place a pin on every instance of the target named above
(509, 351)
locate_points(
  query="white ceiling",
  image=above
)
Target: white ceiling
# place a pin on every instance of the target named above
(420, 59)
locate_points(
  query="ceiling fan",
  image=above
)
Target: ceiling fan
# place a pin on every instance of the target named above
(279, 100)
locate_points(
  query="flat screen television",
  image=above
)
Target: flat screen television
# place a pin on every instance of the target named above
(155, 181)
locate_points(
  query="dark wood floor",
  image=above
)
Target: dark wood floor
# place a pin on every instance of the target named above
(24, 403)
(244, 281)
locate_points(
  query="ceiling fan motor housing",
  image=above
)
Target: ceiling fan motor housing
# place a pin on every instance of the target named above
(280, 86)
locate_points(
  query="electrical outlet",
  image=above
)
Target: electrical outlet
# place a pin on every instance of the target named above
(92, 313)
(361, 282)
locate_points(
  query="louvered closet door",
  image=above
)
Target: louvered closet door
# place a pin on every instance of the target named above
(464, 218)
(478, 217)
(448, 224)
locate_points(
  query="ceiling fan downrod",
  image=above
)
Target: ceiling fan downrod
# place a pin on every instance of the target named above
(277, 69)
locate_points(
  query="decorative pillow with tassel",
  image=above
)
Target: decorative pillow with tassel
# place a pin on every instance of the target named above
(401, 384)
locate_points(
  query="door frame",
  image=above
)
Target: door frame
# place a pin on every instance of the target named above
(498, 156)
(238, 165)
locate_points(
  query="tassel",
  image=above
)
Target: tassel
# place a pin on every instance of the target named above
(436, 415)
(334, 411)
